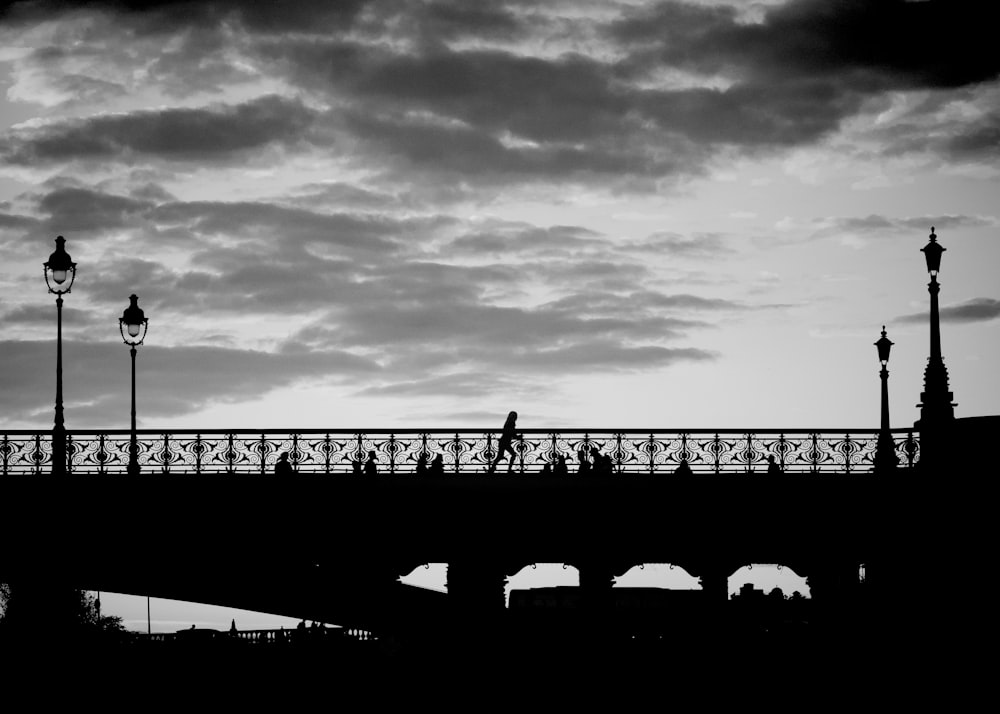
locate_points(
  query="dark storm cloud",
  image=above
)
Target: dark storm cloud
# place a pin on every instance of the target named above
(872, 45)
(175, 380)
(973, 310)
(155, 16)
(979, 141)
(206, 134)
(410, 104)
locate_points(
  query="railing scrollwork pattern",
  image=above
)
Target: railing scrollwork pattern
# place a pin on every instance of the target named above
(464, 452)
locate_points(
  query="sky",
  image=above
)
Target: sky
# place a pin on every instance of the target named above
(410, 214)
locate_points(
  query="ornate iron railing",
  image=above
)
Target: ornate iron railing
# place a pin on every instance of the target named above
(633, 451)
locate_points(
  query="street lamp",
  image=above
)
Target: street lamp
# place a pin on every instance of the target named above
(132, 325)
(885, 452)
(936, 408)
(60, 272)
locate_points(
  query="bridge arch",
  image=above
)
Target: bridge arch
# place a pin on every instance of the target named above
(667, 576)
(767, 576)
(542, 575)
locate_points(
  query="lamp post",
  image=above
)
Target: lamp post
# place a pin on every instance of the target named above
(936, 408)
(60, 272)
(133, 324)
(885, 452)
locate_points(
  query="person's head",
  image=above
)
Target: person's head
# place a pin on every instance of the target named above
(770, 458)
(371, 455)
(594, 451)
(284, 456)
(438, 458)
(512, 416)
(561, 459)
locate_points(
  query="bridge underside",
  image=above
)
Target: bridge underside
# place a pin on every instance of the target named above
(330, 549)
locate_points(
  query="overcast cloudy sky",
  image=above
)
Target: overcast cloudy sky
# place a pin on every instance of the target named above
(427, 213)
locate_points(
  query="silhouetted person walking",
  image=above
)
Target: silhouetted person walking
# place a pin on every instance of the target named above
(283, 467)
(437, 466)
(506, 443)
(773, 469)
(422, 465)
(560, 467)
(370, 468)
(684, 469)
(584, 467)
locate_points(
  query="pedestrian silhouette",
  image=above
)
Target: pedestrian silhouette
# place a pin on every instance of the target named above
(684, 469)
(422, 464)
(560, 467)
(355, 467)
(437, 466)
(773, 469)
(547, 469)
(370, 468)
(506, 443)
(600, 464)
(283, 467)
(584, 467)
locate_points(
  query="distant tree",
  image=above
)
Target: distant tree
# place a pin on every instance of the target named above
(50, 611)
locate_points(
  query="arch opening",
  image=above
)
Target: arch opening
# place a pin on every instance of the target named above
(549, 582)
(766, 579)
(665, 576)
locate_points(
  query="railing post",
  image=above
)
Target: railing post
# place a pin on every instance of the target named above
(198, 448)
(847, 453)
(263, 450)
(167, 454)
(651, 449)
(814, 453)
(456, 447)
(326, 451)
(520, 453)
(102, 455)
(69, 454)
(231, 455)
(295, 452)
(6, 452)
(716, 450)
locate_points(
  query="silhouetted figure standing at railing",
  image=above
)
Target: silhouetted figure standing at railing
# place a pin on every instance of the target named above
(283, 467)
(506, 443)
(773, 469)
(584, 467)
(370, 468)
(547, 469)
(356, 467)
(560, 467)
(422, 465)
(683, 469)
(600, 463)
(437, 466)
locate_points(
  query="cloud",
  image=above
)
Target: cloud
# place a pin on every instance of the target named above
(973, 310)
(219, 133)
(877, 225)
(175, 380)
(700, 245)
(871, 46)
(499, 94)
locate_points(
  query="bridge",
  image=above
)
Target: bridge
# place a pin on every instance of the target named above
(208, 520)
